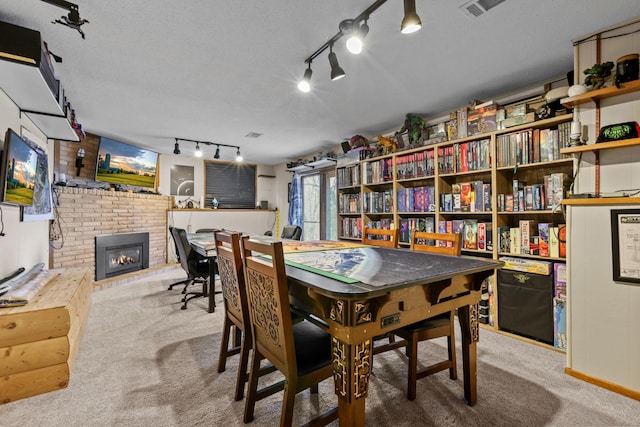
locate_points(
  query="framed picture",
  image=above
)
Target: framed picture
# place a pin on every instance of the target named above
(42, 208)
(182, 180)
(625, 239)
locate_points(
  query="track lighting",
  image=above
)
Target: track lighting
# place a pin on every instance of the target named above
(198, 151)
(336, 70)
(356, 30)
(305, 84)
(411, 21)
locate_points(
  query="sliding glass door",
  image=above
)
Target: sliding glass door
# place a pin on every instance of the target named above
(319, 206)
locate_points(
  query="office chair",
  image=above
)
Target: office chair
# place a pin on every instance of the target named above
(435, 327)
(300, 351)
(293, 232)
(186, 282)
(195, 265)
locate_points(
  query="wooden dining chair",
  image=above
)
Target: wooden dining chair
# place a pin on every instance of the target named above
(300, 351)
(435, 327)
(381, 237)
(236, 312)
(388, 239)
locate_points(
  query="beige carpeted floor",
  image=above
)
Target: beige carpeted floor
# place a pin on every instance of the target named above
(145, 362)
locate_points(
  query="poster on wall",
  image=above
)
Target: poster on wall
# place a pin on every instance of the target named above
(42, 208)
(182, 180)
(625, 232)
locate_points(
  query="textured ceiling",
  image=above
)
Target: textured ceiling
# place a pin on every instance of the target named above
(153, 70)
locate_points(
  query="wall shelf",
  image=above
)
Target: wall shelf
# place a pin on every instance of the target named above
(601, 146)
(317, 164)
(603, 93)
(601, 201)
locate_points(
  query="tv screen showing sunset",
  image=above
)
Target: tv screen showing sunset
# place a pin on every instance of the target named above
(121, 163)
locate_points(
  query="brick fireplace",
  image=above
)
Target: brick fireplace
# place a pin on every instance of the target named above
(87, 213)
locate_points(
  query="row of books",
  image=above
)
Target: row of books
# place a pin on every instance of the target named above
(417, 199)
(381, 224)
(416, 165)
(531, 145)
(474, 196)
(533, 238)
(378, 171)
(407, 225)
(476, 235)
(548, 195)
(349, 202)
(378, 201)
(472, 155)
(351, 228)
(348, 176)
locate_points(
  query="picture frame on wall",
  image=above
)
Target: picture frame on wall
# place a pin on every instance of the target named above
(625, 239)
(182, 180)
(42, 208)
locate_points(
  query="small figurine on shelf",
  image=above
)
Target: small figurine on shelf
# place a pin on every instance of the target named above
(358, 141)
(215, 203)
(414, 126)
(597, 74)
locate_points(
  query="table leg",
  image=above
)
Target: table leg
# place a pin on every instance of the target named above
(351, 371)
(468, 317)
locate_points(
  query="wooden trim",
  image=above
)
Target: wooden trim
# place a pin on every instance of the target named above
(602, 201)
(633, 394)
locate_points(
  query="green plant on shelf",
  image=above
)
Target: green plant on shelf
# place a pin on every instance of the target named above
(597, 74)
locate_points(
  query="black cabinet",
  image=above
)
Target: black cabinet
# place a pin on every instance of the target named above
(525, 304)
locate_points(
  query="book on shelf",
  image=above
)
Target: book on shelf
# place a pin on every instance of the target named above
(554, 243)
(489, 236)
(527, 265)
(559, 323)
(562, 240)
(544, 229)
(456, 189)
(560, 279)
(527, 227)
(482, 236)
(504, 239)
(514, 237)
(465, 197)
(470, 236)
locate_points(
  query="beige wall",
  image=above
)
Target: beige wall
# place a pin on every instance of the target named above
(603, 315)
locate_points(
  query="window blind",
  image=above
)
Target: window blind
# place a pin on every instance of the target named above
(232, 184)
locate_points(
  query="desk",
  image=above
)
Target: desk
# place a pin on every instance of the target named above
(392, 288)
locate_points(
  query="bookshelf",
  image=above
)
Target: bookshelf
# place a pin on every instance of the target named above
(417, 187)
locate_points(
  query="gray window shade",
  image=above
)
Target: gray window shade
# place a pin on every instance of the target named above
(232, 184)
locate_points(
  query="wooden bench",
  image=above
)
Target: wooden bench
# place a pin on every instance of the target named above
(39, 341)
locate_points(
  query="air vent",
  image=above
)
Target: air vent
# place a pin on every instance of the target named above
(476, 8)
(253, 135)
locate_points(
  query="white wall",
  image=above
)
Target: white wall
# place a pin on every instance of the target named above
(603, 316)
(24, 243)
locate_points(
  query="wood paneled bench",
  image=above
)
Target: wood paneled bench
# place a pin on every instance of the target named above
(39, 341)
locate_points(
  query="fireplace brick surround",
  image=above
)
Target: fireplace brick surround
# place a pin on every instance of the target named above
(86, 213)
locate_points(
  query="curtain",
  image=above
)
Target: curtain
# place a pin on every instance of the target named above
(295, 201)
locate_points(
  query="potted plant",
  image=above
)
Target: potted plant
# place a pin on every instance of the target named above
(597, 74)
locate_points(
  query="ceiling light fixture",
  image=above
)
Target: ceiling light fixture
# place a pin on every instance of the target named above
(72, 20)
(357, 29)
(198, 152)
(336, 70)
(305, 84)
(411, 21)
(176, 148)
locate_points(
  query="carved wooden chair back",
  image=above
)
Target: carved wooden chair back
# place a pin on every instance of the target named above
(430, 242)
(381, 237)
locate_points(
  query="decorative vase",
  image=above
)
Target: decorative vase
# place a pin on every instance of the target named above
(577, 90)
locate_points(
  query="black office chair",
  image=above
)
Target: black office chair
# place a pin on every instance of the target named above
(293, 232)
(186, 282)
(195, 265)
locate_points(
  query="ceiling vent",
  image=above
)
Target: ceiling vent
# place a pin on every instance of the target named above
(253, 135)
(476, 8)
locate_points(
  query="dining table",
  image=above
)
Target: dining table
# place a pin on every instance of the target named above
(358, 292)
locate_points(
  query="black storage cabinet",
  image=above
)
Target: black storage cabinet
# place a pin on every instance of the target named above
(525, 304)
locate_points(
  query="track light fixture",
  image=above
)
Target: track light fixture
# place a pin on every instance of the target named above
(411, 21)
(336, 70)
(198, 152)
(356, 30)
(305, 84)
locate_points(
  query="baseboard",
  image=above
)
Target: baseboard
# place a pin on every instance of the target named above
(136, 275)
(633, 394)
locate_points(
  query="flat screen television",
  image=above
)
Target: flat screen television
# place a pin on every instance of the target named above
(18, 167)
(125, 164)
